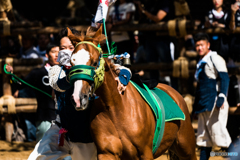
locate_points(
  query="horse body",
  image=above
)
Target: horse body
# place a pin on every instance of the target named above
(123, 125)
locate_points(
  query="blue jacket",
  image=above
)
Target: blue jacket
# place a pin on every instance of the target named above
(210, 70)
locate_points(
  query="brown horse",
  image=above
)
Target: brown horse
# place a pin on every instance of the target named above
(123, 125)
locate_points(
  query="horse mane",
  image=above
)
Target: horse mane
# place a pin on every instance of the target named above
(111, 66)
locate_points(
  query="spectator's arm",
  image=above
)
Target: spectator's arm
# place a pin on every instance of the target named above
(9, 68)
(58, 79)
(234, 8)
(218, 25)
(156, 18)
(232, 25)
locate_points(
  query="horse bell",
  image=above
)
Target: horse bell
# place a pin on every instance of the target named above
(126, 62)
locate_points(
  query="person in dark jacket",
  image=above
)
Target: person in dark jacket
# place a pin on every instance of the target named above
(38, 77)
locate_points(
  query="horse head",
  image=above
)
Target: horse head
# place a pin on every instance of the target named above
(84, 60)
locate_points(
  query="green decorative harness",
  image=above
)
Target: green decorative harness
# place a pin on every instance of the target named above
(88, 73)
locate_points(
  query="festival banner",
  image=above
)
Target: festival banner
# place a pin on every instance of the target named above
(102, 10)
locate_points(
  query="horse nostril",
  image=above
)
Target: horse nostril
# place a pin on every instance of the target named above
(85, 96)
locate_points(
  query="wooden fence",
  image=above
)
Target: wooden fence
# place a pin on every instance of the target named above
(188, 27)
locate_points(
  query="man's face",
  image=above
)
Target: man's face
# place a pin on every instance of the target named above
(202, 47)
(52, 56)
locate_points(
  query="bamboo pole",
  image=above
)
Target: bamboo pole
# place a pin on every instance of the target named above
(22, 101)
(24, 62)
(24, 109)
(23, 24)
(162, 27)
(168, 67)
(8, 123)
(24, 69)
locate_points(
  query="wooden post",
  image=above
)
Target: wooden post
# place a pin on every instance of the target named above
(8, 127)
(8, 118)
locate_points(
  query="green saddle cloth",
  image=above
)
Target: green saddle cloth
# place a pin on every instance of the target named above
(165, 110)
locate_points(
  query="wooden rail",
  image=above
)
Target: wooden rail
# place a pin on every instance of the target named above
(22, 105)
(162, 28)
(167, 68)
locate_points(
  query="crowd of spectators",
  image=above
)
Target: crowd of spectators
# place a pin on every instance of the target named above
(151, 45)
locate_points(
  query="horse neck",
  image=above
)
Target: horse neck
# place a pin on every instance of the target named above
(108, 92)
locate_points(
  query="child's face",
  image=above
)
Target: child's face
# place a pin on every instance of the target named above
(53, 56)
(217, 3)
(65, 43)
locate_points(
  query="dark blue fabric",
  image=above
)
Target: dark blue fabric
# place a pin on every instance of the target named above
(206, 92)
(31, 131)
(199, 70)
(117, 12)
(77, 123)
(60, 97)
(224, 78)
(220, 101)
(205, 153)
(63, 84)
(124, 76)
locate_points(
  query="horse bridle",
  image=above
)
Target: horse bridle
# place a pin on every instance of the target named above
(86, 72)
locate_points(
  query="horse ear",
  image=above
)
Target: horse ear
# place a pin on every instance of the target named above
(69, 32)
(99, 37)
(74, 39)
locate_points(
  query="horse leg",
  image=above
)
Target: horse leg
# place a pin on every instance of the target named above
(106, 138)
(169, 136)
(185, 143)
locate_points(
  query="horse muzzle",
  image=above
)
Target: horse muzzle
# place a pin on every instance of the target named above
(80, 103)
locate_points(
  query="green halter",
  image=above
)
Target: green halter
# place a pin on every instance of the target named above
(87, 42)
(88, 73)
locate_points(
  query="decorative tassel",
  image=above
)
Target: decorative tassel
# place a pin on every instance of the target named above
(62, 132)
